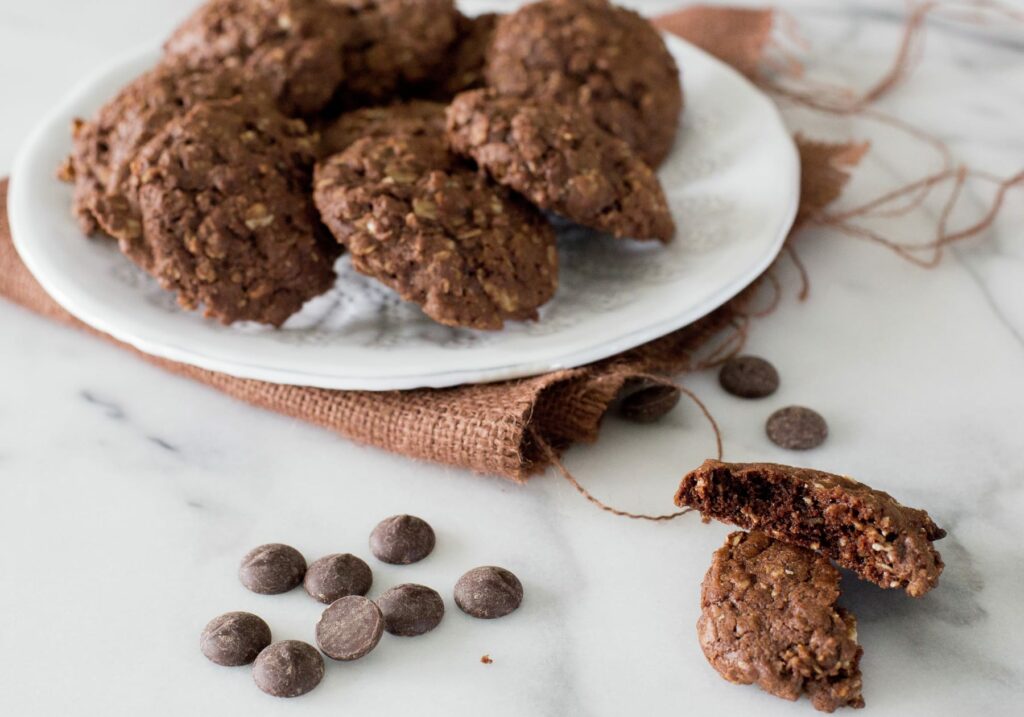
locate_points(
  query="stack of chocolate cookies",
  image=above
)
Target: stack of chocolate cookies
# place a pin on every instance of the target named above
(274, 134)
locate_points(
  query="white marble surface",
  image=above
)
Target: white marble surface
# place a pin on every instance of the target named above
(127, 496)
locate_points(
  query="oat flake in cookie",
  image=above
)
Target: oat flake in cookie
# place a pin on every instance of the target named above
(227, 220)
(394, 44)
(294, 46)
(861, 528)
(105, 146)
(561, 161)
(607, 60)
(768, 616)
(440, 234)
(416, 117)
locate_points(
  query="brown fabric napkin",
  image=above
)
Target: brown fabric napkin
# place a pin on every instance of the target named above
(491, 428)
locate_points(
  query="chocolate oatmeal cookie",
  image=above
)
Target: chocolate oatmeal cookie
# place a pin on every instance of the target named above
(768, 616)
(418, 117)
(560, 160)
(294, 46)
(226, 217)
(463, 68)
(607, 60)
(439, 233)
(860, 528)
(395, 44)
(105, 146)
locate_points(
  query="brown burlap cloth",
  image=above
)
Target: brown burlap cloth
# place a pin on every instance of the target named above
(493, 428)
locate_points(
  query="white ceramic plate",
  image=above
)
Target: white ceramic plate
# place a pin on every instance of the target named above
(732, 182)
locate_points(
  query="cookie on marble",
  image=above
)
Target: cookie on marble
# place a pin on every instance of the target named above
(769, 617)
(560, 160)
(442, 235)
(395, 44)
(863, 529)
(104, 147)
(226, 219)
(604, 59)
(293, 46)
(417, 117)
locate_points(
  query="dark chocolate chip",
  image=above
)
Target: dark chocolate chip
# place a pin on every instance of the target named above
(288, 669)
(749, 377)
(234, 638)
(411, 609)
(402, 539)
(272, 569)
(349, 628)
(335, 576)
(650, 403)
(488, 592)
(797, 428)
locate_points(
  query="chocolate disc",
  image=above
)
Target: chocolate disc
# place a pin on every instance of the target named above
(234, 638)
(649, 404)
(402, 539)
(488, 592)
(272, 569)
(749, 377)
(335, 576)
(288, 669)
(796, 428)
(411, 609)
(349, 628)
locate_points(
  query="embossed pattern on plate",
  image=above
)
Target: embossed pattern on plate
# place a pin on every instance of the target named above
(732, 182)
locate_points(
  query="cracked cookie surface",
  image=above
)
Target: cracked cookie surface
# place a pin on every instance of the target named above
(561, 161)
(607, 60)
(768, 616)
(416, 218)
(293, 46)
(226, 217)
(104, 147)
(395, 44)
(417, 117)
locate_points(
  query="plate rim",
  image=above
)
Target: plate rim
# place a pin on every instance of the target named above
(170, 350)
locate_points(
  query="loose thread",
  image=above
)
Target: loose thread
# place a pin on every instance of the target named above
(552, 456)
(838, 100)
(728, 348)
(805, 278)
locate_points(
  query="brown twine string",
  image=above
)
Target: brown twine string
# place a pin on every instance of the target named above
(729, 347)
(805, 278)
(838, 100)
(556, 461)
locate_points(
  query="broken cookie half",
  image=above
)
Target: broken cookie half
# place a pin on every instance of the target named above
(863, 529)
(769, 617)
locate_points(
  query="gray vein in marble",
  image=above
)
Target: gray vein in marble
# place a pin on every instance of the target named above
(983, 288)
(163, 444)
(110, 409)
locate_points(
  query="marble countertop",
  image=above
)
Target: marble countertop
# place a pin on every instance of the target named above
(127, 496)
